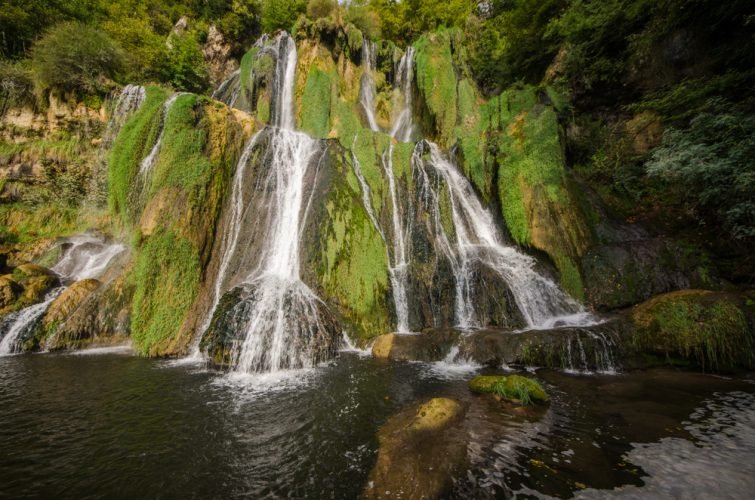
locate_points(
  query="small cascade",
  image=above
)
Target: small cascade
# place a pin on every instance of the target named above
(397, 263)
(476, 239)
(129, 100)
(88, 257)
(281, 322)
(19, 325)
(399, 269)
(228, 90)
(367, 84)
(590, 350)
(85, 256)
(145, 167)
(403, 124)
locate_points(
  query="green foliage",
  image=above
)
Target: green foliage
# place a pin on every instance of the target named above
(406, 20)
(185, 68)
(512, 387)
(315, 117)
(166, 278)
(436, 82)
(510, 44)
(317, 9)
(709, 166)
(280, 14)
(16, 86)
(75, 57)
(365, 20)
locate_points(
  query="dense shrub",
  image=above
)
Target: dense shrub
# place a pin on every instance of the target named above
(280, 14)
(710, 166)
(16, 85)
(321, 8)
(75, 57)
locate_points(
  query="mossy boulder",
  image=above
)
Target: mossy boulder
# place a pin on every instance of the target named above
(421, 449)
(710, 330)
(515, 388)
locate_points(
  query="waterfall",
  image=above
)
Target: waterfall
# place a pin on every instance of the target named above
(20, 324)
(477, 240)
(283, 82)
(403, 125)
(129, 100)
(86, 257)
(228, 90)
(149, 161)
(399, 269)
(367, 84)
(397, 264)
(282, 322)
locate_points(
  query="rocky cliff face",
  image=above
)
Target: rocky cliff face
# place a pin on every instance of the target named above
(377, 213)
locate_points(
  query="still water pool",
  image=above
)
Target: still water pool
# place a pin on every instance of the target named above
(109, 424)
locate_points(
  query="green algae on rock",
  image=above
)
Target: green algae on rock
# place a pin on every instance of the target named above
(514, 388)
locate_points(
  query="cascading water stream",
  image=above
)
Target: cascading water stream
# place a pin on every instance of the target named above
(367, 84)
(145, 167)
(88, 257)
(399, 270)
(279, 317)
(477, 239)
(403, 124)
(228, 90)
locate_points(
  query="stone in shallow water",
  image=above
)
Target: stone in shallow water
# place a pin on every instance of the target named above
(421, 449)
(510, 387)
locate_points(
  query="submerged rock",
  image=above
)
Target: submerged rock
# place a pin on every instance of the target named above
(515, 388)
(421, 449)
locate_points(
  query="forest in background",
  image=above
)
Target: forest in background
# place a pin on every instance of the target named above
(683, 68)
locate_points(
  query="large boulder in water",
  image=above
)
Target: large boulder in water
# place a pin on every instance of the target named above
(421, 450)
(432, 345)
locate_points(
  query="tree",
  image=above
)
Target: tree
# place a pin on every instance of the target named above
(75, 57)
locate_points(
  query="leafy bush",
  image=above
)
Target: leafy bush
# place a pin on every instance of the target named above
(75, 57)
(280, 14)
(709, 164)
(317, 9)
(16, 85)
(185, 68)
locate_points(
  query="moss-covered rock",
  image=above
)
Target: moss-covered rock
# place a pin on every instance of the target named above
(421, 448)
(711, 330)
(173, 219)
(345, 255)
(515, 388)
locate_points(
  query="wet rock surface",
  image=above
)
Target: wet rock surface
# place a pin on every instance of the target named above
(421, 449)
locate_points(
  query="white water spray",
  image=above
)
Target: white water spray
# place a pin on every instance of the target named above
(367, 89)
(478, 240)
(403, 125)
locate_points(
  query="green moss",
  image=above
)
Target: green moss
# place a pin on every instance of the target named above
(166, 279)
(539, 208)
(133, 143)
(353, 267)
(182, 161)
(25, 224)
(706, 328)
(246, 67)
(512, 387)
(315, 115)
(436, 82)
